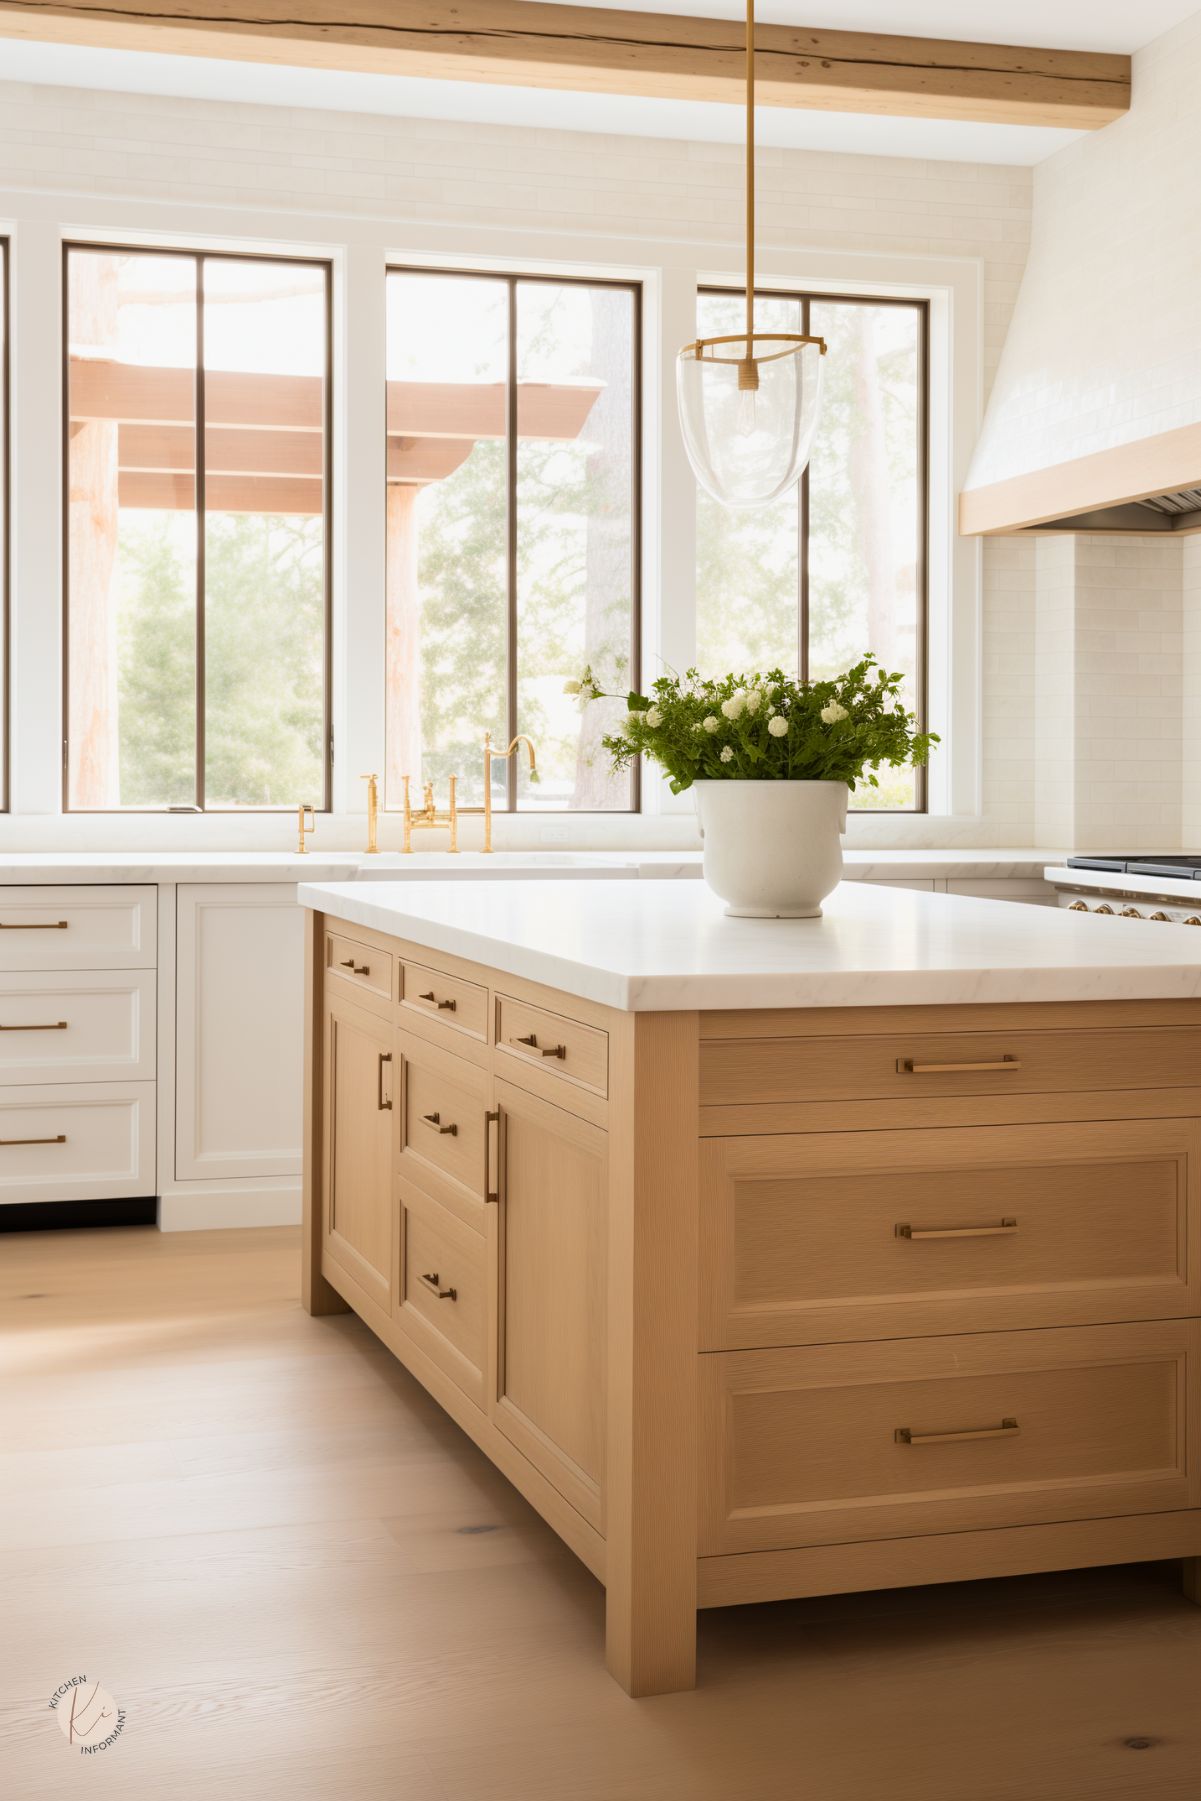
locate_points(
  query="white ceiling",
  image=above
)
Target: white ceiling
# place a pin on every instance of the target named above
(1081, 24)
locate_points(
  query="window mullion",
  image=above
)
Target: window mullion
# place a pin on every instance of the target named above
(511, 547)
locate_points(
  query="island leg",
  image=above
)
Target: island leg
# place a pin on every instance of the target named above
(316, 1294)
(651, 1469)
(1190, 1573)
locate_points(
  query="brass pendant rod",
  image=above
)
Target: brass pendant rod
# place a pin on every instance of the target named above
(750, 174)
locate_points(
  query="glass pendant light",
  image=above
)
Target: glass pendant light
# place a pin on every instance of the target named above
(749, 403)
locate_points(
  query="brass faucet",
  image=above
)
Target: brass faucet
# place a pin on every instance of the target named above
(372, 782)
(304, 813)
(428, 815)
(501, 756)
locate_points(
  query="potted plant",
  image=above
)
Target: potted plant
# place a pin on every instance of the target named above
(773, 762)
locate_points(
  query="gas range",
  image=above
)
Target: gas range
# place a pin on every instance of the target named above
(1165, 889)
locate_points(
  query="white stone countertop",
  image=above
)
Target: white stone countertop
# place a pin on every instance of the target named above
(66, 866)
(659, 946)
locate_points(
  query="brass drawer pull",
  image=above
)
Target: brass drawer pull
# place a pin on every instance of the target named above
(34, 925)
(443, 1006)
(907, 1067)
(538, 1050)
(382, 1105)
(59, 1138)
(358, 969)
(443, 1294)
(904, 1436)
(491, 1191)
(57, 1025)
(1006, 1229)
(435, 1121)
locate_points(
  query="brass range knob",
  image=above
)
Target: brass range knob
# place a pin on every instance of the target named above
(1131, 913)
(1078, 907)
(1104, 908)
(1192, 920)
(1163, 917)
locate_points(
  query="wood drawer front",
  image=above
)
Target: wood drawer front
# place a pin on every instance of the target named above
(77, 1026)
(444, 1127)
(529, 1037)
(77, 1141)
(362, 968)
(917, 1066)
(1052, 1225)
(801, 1447)
(460, 1007)
(77, 928)
(443, 1289)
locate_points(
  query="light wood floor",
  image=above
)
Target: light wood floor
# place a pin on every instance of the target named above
(302, 1582)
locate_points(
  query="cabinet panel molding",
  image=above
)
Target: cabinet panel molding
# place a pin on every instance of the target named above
(359, 1135)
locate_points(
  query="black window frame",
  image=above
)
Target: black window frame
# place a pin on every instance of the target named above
(513, 278)
(6, 497)
(200, 258)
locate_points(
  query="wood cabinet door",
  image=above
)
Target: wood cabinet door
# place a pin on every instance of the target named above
(549, 1392)
(360, 1154)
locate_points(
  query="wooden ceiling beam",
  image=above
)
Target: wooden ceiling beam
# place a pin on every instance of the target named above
(592, 50)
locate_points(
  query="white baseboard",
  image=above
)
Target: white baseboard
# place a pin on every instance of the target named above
(197, 1209)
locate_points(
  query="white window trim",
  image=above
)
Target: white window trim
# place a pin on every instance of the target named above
(360, 249)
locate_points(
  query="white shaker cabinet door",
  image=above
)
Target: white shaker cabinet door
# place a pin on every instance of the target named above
(239, 1030)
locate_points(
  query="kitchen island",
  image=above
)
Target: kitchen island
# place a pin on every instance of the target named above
(772, 1258)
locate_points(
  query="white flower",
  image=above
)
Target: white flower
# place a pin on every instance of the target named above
(777, 726)
(586, 693)
(833, 712)
(653, 717)
(753, 700)
(572, 687)
(697, 726)
(710, 723)
(733, 707)
(727, 755)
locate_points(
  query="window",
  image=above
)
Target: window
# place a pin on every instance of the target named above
(197, 539)
(837, 566)
(513, 520)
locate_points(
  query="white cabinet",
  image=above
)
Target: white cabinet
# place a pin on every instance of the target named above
(239, 1032)
(87, 1141)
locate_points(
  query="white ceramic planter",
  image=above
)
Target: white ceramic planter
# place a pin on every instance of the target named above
(773, 850)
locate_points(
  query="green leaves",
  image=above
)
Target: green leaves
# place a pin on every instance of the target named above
(867, 727)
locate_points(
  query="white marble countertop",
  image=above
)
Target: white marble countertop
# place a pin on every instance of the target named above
(54, 867)
(656, 946)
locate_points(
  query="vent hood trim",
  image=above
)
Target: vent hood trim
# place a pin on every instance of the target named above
(1159, 468)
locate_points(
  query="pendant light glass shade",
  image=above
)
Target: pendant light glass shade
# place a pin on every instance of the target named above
(748, 412)
(748, 405)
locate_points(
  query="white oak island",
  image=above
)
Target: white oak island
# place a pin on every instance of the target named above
(773, 1258)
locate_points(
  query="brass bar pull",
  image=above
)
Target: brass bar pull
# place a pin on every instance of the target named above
(435, 1120)
(907, 1067)
(538, 1050)
(491, 1188)
(443, 1294)
(382, 1105)
(443, 1006)
(34, 925)
(1008, 1428)
(1006, 1229)
(359, 969)
(57, 1025)
(59, 1138)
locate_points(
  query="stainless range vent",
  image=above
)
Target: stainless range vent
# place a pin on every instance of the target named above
(1187, 501)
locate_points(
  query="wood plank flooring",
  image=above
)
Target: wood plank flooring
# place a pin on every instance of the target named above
(302, 1583)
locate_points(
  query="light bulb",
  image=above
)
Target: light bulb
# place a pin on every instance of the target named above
(747, 413)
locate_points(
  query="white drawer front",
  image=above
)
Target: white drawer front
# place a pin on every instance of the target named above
(77, 928)
(77, 1025)
(77, 1142)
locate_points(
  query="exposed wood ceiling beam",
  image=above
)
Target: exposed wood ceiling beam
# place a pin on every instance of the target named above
(591, 50)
